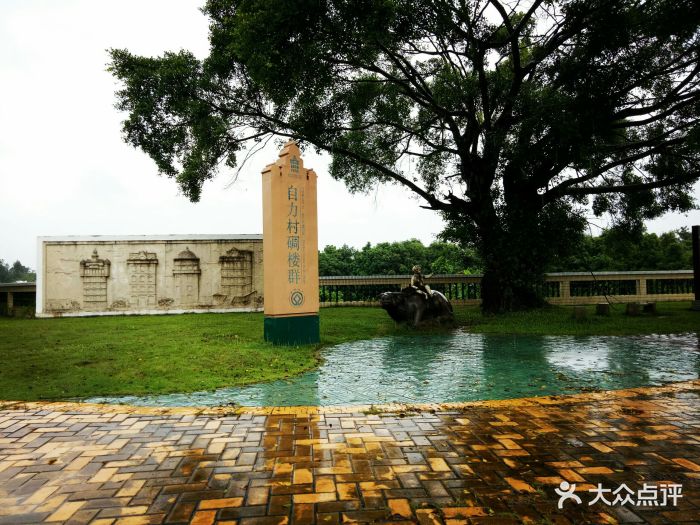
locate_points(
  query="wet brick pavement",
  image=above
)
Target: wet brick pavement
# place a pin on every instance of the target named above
(493, 462)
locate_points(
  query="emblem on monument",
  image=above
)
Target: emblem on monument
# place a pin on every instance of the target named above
(296, 298)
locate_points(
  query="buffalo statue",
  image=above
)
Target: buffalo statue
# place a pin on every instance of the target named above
(412, 307)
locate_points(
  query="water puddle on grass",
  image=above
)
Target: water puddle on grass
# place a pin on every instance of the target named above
(461, 366)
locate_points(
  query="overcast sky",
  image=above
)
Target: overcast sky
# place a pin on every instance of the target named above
(64, 169)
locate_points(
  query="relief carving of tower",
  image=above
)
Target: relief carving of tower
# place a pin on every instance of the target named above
(142, 279)
(186, 273)
(237, 276)
(94, 273)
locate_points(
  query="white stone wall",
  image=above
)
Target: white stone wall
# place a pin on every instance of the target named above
(149, 274)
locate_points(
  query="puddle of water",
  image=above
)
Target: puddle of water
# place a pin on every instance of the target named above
(461, 366)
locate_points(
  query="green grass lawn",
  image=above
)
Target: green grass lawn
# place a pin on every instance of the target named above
(671, 318)
(79, 357)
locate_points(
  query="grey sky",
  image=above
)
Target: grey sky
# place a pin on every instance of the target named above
(64, 169)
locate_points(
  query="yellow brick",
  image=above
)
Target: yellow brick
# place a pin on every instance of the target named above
(140, 520)
(600, 447)
(519, 485)
(325, 484)
(103, 475)
(571, 476)
(373, 486)
(131, 488)
(346, 491)
(203, 518)
(687, 464)
(220, 503)
(282, 469)
(400, 469)
(78, 463)
(509, 444)
(133, 511)
(594, 470)
(549, 480)
(400, 507)
(53, 503)
(429, 516)
(463, 512)
(40, 495)
(439, 465)
(302, 476)
(65, 511)
(314, 498)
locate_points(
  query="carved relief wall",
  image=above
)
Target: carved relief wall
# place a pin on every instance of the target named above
(186, 273)
(94, 273)
(237, 275)
(149, 274)
(142, 279)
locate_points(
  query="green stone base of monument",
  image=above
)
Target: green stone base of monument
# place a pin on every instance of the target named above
(293, 330)
(696, 306)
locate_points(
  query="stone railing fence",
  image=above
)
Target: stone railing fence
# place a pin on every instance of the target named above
(574, 288)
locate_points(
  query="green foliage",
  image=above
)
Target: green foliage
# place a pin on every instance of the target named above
(16, 272)
(618, 249)
(615, 249)
(337, 261)
(509, 120)
(397, 258)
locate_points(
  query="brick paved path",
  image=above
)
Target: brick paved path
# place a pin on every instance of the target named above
(496, 462)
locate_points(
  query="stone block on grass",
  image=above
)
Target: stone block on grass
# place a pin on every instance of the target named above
(579, 313)
(633, 309)
(602, 309)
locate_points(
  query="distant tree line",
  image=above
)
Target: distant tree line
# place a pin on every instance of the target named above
(615, 249)
(397, 258)
(16, 272)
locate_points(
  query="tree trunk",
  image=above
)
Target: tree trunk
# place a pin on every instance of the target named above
(505, 289)
(514, 282)
(514, 260)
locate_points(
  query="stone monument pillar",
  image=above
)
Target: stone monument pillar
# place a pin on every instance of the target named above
(290, 250)
(696, 267)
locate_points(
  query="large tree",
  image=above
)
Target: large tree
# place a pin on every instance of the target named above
(509, 118)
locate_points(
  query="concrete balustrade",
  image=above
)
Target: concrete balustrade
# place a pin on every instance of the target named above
(565, 289)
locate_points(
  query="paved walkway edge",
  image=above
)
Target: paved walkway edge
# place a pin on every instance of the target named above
(65, 406)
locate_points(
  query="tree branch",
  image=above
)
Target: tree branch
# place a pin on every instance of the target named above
(631, 188)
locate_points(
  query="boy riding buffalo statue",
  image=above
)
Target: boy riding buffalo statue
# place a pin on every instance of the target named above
(417, 303)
